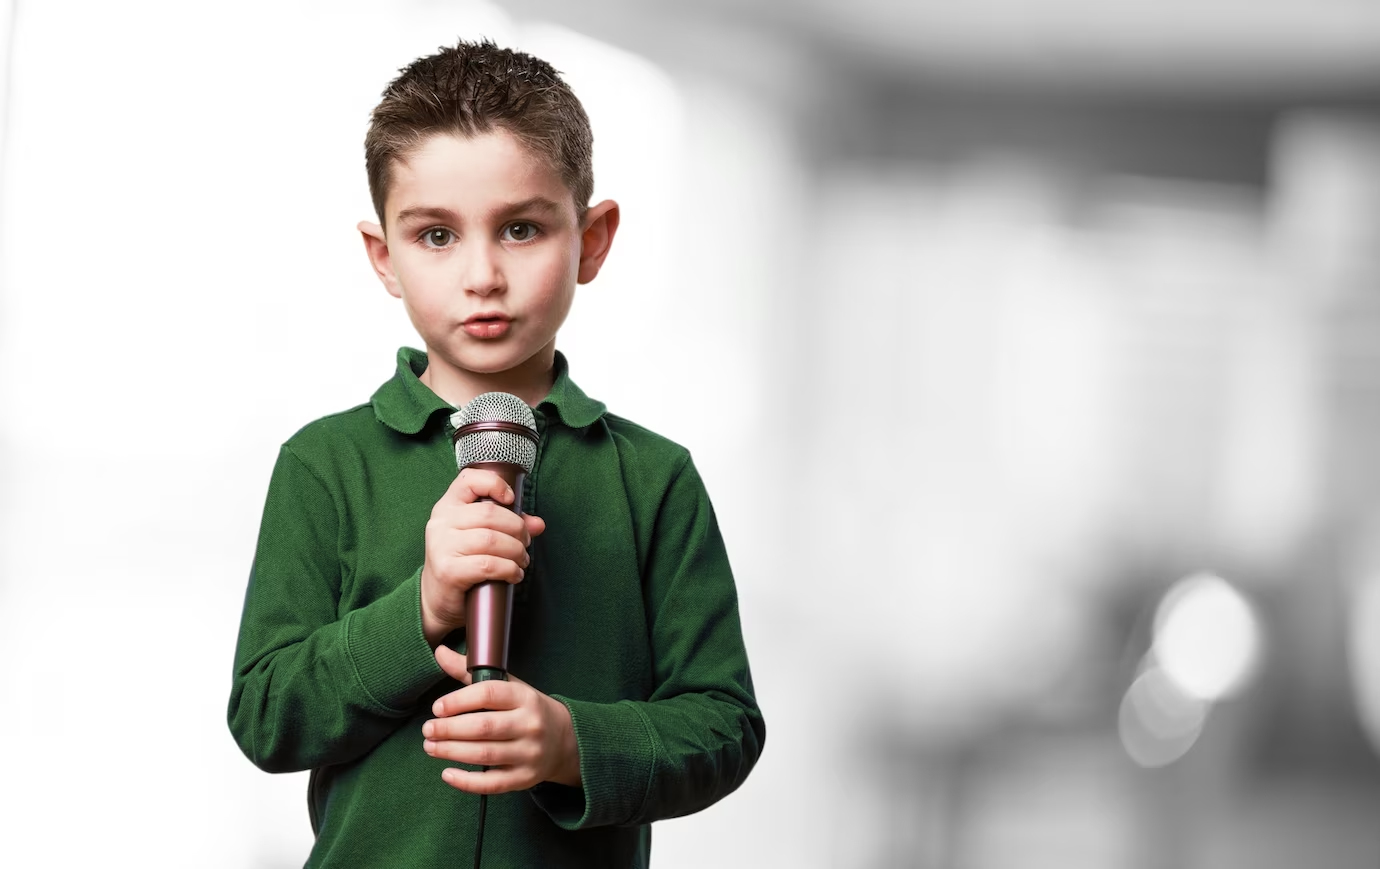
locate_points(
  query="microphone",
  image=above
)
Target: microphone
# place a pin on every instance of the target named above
(496, 431)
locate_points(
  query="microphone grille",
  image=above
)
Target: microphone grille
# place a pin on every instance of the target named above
(510, 435)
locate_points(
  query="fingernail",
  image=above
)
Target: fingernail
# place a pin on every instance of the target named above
(428, 729)
(448, 774)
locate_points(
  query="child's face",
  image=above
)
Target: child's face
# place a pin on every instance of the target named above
(484, 248)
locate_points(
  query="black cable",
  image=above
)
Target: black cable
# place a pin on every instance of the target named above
(479, 835)
(483, 674)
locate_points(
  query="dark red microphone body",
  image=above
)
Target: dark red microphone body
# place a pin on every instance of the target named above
(497, 432)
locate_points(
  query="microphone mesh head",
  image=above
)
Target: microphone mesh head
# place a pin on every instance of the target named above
(496, 446)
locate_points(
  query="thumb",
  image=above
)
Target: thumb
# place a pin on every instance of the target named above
(535, 524)
(453, 663)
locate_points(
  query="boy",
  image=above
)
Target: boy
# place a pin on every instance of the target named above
(630, 697)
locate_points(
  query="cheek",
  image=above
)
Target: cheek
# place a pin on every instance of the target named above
(555, 275)
(419, 286)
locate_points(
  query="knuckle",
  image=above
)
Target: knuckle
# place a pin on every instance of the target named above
(488, 693)
(481, 477)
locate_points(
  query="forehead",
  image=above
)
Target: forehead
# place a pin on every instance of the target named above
(472, 175)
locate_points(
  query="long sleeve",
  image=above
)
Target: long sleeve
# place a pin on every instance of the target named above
(698, 735)
(312, 686)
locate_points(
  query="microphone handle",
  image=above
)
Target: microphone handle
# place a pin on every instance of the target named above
(489, 605)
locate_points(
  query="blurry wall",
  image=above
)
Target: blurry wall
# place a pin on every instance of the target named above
(1123, 366)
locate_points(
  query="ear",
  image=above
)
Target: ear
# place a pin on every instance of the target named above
(601, 223)
(377, 247)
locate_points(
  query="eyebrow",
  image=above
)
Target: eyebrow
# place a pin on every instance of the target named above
(538, 204)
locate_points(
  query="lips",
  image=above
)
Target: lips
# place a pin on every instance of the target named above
(489, 324)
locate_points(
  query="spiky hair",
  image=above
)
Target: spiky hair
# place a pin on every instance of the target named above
(472, 89)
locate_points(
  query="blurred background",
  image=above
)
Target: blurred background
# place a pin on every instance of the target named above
(1050, 330)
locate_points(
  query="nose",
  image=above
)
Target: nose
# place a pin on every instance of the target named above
(481, 270)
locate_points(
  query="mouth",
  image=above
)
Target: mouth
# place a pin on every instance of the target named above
(489, 324)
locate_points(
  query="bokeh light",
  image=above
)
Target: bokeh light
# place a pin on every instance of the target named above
(1207, 637)
(1158, 721)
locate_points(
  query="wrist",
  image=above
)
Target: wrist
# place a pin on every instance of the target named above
(567, 770)
(433, 628)
(434, 634)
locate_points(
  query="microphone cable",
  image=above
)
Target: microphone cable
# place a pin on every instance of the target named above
(483, 674)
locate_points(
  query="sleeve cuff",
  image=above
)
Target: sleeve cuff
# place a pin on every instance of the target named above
(391, 657)
(617, 752)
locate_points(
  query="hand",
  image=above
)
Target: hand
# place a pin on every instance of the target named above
(523, 736)
(469, 541)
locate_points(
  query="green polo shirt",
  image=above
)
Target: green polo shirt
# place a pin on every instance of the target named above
(628, 615)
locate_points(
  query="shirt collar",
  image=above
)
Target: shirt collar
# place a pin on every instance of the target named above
(405, 404)
(572, 406)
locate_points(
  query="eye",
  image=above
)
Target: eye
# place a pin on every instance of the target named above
(520, 231)
(437, 236)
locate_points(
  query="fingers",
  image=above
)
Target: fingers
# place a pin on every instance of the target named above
(477, 728)
(474, 484)
(453, 663)
(471, 537)
(462, 516)
(510, 755)
(466, 544)
(512, 729)
(503, 742)
(535, 525)
(495, 695)
(478, 542)
(490, 735)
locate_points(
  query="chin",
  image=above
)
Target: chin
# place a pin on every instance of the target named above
(490, 365)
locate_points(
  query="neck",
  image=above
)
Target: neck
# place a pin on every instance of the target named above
(530, 381)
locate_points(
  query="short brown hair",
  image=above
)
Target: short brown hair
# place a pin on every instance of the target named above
(470, 90)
